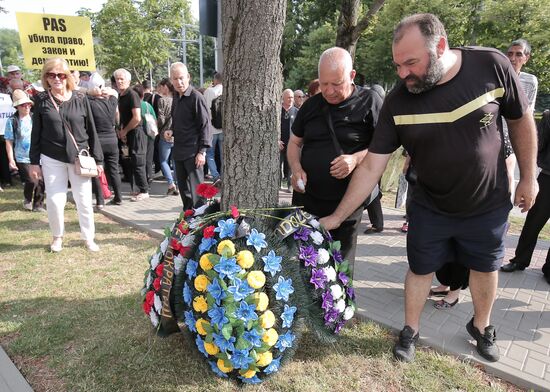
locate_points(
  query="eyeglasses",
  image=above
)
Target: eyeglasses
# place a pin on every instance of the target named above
(60, 76)
(517, 54)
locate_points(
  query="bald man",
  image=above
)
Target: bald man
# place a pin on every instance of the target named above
(322, 160)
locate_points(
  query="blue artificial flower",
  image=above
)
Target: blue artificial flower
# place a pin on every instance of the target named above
(226, 228)
(240, 289)
(241, 359)
(257, 240)
(222, 343)
(273, 366)
(288, 316)
(200, 345)
(191, 268)
(254, 337)
(227, 267)
(283, 288)
(190, 320)
(285, 341)
(272, 263)
(216, 369)
(251, 380)
(216, 291)
(206, 244)
(187, 297)
(217, 316)
(246, 312)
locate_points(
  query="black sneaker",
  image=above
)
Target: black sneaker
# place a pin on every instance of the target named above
(486, 343)
(404, 349)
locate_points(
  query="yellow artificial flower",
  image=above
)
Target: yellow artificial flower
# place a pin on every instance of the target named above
(256, 279)
(226, 244)
(270, 337)
(222, 367)
(261, 300)
(247, 373)
(199, 304)
(205, 263)
(201, 282)
(211, 348)
(245, 258)
(200, 326)
(267, 320)
(264, 359)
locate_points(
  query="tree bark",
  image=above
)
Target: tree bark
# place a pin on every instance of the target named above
(252, 39)
(349, 25)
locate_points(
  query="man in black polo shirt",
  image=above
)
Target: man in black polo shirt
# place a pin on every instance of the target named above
(446, 112)
(192, 134)
(321, 164)
(132, 132)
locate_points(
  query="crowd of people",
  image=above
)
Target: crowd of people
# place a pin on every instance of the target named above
(463, 115)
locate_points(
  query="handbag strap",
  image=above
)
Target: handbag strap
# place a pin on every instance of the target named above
(328, 118)
(63, 121)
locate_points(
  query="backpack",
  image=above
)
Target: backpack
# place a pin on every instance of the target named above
(149, 120)
(216, 109)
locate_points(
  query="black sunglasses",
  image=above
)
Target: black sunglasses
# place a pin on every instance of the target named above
(60, 76)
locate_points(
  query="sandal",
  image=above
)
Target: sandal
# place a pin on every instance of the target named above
(442, 304)
(438, 293)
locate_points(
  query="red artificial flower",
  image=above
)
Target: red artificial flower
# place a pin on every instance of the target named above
(159, 269)
(183, 227)
(208, 232)
(175, 244)
(184, 250)
(150, 297)
(234, 212)
(207, 191)
(188, 213)
(156, 284)
(146, 308)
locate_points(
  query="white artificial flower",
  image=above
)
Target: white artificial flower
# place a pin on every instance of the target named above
(322, 256)
(340, 306)
(155, 260)
(154, 318)
(188, 240)
(144, 291)
(164, 245)
(348, 313)
(330, 273)
(178, 263)
(336, 291)
(194, 223)
(158, 303)
(149, 280)
(172, 227)
(200, 210)
(317, 237)
(314, 223)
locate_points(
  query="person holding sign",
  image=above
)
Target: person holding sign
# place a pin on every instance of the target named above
(63, 118)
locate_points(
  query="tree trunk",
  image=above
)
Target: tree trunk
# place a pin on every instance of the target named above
(252, 39)
(349, 25)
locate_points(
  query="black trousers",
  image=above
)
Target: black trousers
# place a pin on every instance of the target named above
(5, 175)
(149, 170)
(33, 189)
(111, 167)
(137, 145)
(189, 177)
(286, 167)
(454, 275)
(374, 210)
(537, 217)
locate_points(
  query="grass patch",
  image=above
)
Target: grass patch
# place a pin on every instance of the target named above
(73, 322)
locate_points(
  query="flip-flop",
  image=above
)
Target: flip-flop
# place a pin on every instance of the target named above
(442, 304)
(438, 293)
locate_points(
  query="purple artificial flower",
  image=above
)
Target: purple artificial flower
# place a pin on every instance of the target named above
(328, 235)
(339, 326)
(309, 255)
(337, 255)
(302, 234)
(331, 316)
(318, 278)
(350, 292)
(328, 301)
(343, 278)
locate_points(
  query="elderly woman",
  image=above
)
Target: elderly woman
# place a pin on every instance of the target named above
(60, 112)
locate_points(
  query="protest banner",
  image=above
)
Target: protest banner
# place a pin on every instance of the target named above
(44, 36)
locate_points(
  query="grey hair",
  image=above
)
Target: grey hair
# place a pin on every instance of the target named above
(178, 64)
(429, 25)
(125, 72)
(336, 58)
(524, 44)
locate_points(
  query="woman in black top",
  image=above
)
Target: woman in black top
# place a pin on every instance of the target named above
(59, 112)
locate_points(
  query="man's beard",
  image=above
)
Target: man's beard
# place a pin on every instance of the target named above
(429, 79)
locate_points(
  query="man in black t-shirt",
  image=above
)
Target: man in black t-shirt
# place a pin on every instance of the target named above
(446, 112)
(321, 164)
(129, 107)
(288, 114)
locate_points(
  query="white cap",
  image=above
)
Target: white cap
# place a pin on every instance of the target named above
(13, 68)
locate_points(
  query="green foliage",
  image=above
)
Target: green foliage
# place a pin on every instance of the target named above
(11, 53)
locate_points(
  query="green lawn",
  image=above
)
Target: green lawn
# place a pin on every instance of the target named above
(73, 322)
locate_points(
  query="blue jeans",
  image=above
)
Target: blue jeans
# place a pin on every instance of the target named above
(164, 154)
(211, 156)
